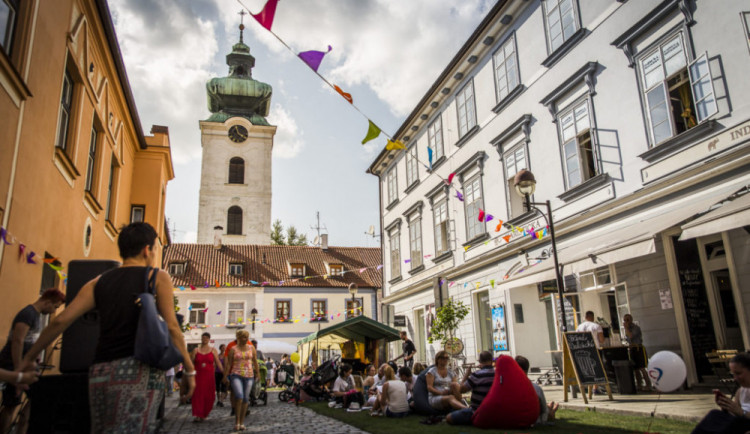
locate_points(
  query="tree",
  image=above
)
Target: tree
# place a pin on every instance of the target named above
(447, 320)
(291, 238)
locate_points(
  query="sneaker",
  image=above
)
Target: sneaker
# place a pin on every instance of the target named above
(338, 406)
(354, 406)
(332, 404)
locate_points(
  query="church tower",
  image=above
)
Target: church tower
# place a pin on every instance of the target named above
(237, 141)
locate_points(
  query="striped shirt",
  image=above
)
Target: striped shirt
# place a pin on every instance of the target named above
(480, 383)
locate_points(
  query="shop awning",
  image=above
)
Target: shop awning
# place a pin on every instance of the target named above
(633, 236)
(356, 329)
(730, 215)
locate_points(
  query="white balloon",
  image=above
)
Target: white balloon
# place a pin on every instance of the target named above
(667, 371)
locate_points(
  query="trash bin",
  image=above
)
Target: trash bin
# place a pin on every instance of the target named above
(624, 377)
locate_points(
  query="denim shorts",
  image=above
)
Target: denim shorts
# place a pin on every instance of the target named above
(241, 386)
(389, 413)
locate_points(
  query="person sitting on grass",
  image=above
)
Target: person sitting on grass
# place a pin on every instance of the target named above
(303, 396)
(444, 390)
(376, 386)
(479, 383)
(370, 373)
(734, 416)
(546, 410)
(393, 398)
(404, 374)
(418, 368)
(344, 390)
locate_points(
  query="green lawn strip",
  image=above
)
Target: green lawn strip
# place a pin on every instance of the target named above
(569, 422)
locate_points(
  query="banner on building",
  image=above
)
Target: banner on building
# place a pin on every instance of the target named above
(499, 334)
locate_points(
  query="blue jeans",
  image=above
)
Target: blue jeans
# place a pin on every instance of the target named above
(241, 386)
(461, 417)
(389, 413)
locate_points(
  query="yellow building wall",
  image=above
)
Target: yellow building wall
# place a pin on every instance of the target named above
(44, 204)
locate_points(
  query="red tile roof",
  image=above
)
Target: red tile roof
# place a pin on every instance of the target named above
(206, 265)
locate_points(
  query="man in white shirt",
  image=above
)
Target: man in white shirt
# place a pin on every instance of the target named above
(595, 329)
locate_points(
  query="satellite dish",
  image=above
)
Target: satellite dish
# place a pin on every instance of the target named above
(371, 231)
(316, 240)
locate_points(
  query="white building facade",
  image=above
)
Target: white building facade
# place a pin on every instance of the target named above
(634, 119)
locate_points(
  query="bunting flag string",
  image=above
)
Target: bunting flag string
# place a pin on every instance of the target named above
(30, 256)
(314, 58)
(311, 318)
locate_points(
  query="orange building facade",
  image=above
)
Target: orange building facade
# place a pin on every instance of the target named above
(75, 164)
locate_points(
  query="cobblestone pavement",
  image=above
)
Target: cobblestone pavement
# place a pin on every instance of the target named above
(277, 417)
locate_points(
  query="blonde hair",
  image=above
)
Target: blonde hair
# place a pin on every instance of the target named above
(242, 333)
(389, 374)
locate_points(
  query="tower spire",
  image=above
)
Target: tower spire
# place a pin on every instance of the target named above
(242, 14)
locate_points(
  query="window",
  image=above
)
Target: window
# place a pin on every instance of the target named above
(595, 278)
(90, 167)
(319, 310)
(353, 307)
(111, 189)
(395, 255)
(435, 138)
(236, 171)
(518, 312)
(440, 216)
(177, 268)
(66, 100)
(514, 161)
(677, 96)
(415, 242)
(412, 175)
(234, 221)
(197, 312)
(283, 310)
(8, 10)
(746, 26)
(506, 68)
(137, 213)
(298, 270)
(235, 269)
(580, 161)
(472, 204)
(561, 22)
(236, 312)
(467, 117)
(336, 270)
(392, 185)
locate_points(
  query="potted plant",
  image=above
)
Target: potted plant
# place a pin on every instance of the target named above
(446, 323)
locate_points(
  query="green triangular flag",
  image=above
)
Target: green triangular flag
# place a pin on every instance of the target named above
(372, 132)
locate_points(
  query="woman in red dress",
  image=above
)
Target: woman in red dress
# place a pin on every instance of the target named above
(205, 358)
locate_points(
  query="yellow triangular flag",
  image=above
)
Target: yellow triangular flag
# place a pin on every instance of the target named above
(395, 145)
(372, 132)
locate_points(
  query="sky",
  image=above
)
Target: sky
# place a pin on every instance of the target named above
(386, 53)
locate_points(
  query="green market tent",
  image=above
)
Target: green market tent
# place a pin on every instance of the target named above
(353, 329)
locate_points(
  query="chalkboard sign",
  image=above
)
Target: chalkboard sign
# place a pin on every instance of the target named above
(585, 357)
(699, 320)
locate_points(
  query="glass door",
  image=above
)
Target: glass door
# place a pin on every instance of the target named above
(419, 338)
(484, 321)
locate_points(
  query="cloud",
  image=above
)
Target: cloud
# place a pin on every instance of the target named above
(397, 48)
(168, 63)
(288, 141)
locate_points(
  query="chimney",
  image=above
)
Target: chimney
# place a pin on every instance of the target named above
(324, 241)
(217, 237)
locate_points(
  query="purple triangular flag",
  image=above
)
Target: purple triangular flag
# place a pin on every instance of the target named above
(313, 58)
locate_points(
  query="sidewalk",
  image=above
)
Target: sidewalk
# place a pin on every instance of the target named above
(682, 405)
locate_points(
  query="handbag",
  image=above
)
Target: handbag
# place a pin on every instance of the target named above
(153, 345)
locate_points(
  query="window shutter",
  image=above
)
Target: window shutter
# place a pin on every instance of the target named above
(702, 88)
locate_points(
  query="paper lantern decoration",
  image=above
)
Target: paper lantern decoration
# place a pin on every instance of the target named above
(667, 371)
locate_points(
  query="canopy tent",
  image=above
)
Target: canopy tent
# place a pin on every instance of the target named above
(356, 329)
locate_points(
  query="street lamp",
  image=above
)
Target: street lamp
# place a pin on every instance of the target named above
(525, 184)
(353, 291)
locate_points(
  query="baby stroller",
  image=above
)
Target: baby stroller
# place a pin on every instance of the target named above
(315, 386)
(259, 388)
(285, 379)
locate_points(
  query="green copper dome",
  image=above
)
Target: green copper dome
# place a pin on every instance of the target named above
(239, 94)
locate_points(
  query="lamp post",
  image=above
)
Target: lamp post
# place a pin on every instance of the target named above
(254, 312)
(353, 291)
(525, 184)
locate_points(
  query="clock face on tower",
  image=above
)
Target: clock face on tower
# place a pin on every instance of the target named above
(238, 133)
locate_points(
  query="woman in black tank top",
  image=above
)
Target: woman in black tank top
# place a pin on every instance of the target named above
(116, 379)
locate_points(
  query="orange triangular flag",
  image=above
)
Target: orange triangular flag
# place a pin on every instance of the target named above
(347, 96)
(507, 238)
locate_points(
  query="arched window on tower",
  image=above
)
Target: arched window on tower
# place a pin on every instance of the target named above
(234, 221)
(236, 171)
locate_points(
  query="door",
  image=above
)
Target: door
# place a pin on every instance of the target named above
(419, 338)
(484, 320)
(727, 309)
